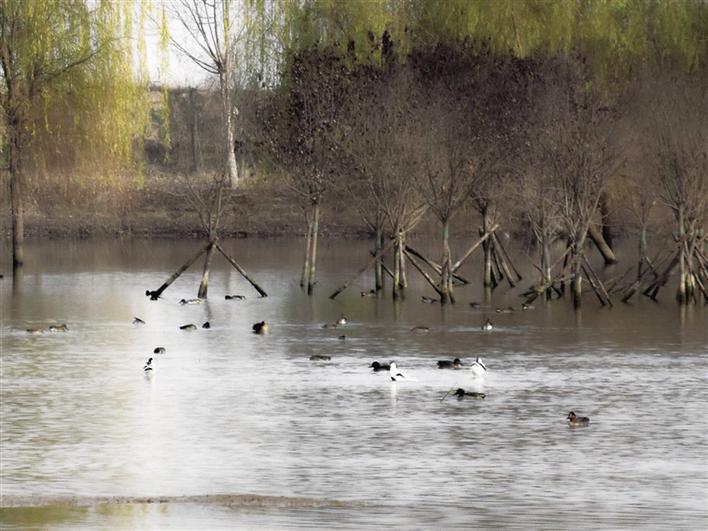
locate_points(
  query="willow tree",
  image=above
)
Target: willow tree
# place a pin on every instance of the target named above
(64, 58)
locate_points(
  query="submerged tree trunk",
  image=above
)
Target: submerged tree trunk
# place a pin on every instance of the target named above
(487, 248)
(306, 260)
(313, 248)
(402, 260)
(681, 293)
(546, 265)
(397, 291)
(378, 267)
(446, 273)
(18, 215)
(204, 284)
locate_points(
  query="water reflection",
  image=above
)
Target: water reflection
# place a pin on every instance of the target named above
(231, 411)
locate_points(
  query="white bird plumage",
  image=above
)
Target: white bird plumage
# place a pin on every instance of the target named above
(478, 368)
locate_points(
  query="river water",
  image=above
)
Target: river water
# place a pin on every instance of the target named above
(231, 412)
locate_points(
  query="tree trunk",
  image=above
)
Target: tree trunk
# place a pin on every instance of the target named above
(204, 284)
(605, 250)
(487, 248)
(546, 266)
(446, 263)
(230, 163)
(196, 165)
(681, 295)
(313, 250)
(402, 260)
(606, 222)
(378, 267)
(17, 206)
(577, 284)
(306, 261)
(642, 252)
(397, 267)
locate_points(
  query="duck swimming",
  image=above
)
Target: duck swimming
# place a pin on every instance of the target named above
(447, 364)
(395, 373)
(478, 368)
(428, 300)
(574, 420)
(148, 367)
(58, 328)
(420, 329)
(206, 325)
(379, 367)
(320, 357)
(190, 301)
(189, 326)
(138, 321)
(487, 326)
(261, 328)
(235, 297)
(341, 321)
(159, 350)
(461, 393)
(370, 293)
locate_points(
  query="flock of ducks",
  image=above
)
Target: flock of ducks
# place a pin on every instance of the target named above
(478, 368)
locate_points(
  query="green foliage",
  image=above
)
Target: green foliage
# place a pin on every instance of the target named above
(71, 76)
(612, 35)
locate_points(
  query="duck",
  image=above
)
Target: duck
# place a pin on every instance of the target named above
(395, 373)
(370, 293)
(420, 329)
(206, 324)
(342, 321)
(235, 297)
(474, 304)
(525, 306)
(320, 357)
(35, 331)
(428, 300)
(478, 368)
(487, 326)
(342, 338)
(154, 295)
(190, 301)
(574, 420)
(148, 367)
(379, 366)
(261, 328)
(447, 364)
(509, 309)
(189, 326)
(461, 393)
(330, 325)
(159, 350)
(138, 321)
(58, 328)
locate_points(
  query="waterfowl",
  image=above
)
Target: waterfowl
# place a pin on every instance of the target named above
(189, 326)
(525, 306)
(395, 373)
(235, 297)
(428, 300)
(379, 367)
(148, 367)
(574, 420)
(487, 326)
(461, 393)
(138, 321)
(370, 293)
(206, 325)
(342, 320)
(447, 364)
(154, 295)
(420, 329)
(342, 338)
(329, 325)
(474, 304)
(58, 328)
(478, 368)
(159, 350)
(190, 301)
(35, 331)
(261, 328)
(504, 310)
(320, 357)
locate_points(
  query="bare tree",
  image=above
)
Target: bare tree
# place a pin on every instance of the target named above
(211, 31)
(575, 142)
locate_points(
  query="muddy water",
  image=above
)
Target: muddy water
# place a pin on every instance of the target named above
(230, 412)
